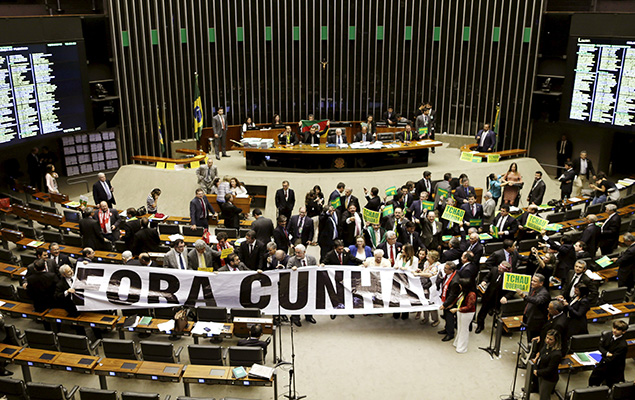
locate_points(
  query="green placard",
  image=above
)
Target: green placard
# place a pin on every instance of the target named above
(485, 236)
(391, 191)
(325, 32)
(351, 33)
(477, 159)
(296, 33)
(496, 34)
(465, 156)
(441, 193)
(240, 34)
(466, 33)
(380, 32)
(125, 39)
(553, 227)
(423, 132)
(492, 158)
(513, 281)
(446, 238)
(211, 35)
(437, 34)
(183, 35)
(336, 203)
(476, 222)
(536, 223)
(408, 33)
(268, 33)
(494, 231)
(370, 216)
(428, 205)
(154, 35)
(388, 210)
(453, 214)
(527, 35)
(604, 262)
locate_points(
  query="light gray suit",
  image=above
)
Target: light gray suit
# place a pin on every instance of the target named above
(221, 140)
(170, 259)
(206, 176)
(443, 185)
(209, 255)
(296, 262)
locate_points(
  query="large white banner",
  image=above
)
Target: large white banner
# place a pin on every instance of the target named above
(310, 290)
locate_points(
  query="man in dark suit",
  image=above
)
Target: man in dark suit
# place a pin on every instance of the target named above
(525, 233)
(288, 137)
(537, 191)
(230, 213)
(424, 184)
(103, 190)
(352, 225)
(408, 135)
(389, 117)
(91, 233)
(468, 269)
(406, 198)
(200, 208)
(417, 211)
(584, 170)
(145, 239)
(613, 347)
(486, 140)
(472, 243)
(445, 185)
(576, 276)
(281, 235)
(391, 247)
(431, 232)
(337, 138)
(56, 258)
(411, 236)
(263, 226)
(233, 264)
(41, 287)
(566, 181)
(64, 292)
(329, 221)
(278, 260)
(374, 234)
(338, 192)
(285, 200)
(364, 135)
(610, 230)
(252, 251)
(591, 234)
(537, 301)
(557, 320)
(373, 202)
(254, 339)
(339, 255)
(424, 120)
(453, 253)
(564, 152)
(131, 227)
(463, 193)
(450, 291)
(473, 211)
(349, 199)
(507, 253)
(506, 224)
(313, 135)
(626, 264)
(219, 124)
(492, 297)
(566, 255)
(301, 228)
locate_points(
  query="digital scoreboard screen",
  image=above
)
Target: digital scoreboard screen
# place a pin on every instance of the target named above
(41, 91)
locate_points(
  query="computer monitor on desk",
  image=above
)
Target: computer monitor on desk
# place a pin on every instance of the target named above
(72, 216)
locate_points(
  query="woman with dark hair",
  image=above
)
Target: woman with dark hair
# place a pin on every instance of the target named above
(370, 124)
(493, 186)
(547, 361)
(314, 202)
(576, 310)
(215, 183)
(601, 188)
(277, 122)
(51, 179)
(237, 188)
(249, 123)
(152, 202)
(511, 183)
(464, 309)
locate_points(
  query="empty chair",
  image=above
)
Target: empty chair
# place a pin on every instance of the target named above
(14, 336)
(513, 307)
(591, 393)
(572, 214)
(51, 237)
(245, 312)
(211, 314)
(169, 229)
(613, 296)
(14, 389)
(43, 340)
(188, 231)
(77, 344)
(97, 394)
(140, 396)
(489, 248)
(7, 292)
(231, 232)
(28, 232)
(27, 259)
(6, 256)
(526, 245)
(165, 313)
(242, 232)
(120, 246)
(623, 391)
(159, 351)
(245, 356)
(23, 296)
(594, 209)
(584, 343)
(49, 391)
(205, 355)
(115, 348)
(51, 210)
(555, 217)
(8, 225)
(72, 240)
(628, 200)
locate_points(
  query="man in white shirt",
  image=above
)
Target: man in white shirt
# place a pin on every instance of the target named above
(299, 260)
(177, 257)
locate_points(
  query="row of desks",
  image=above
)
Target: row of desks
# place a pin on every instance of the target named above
(104, 367)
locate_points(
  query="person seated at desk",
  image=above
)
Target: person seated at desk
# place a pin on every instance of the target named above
(254, 339)
(237, 188)
(288, 137)
(248, 125)
(234, 264)
(277, 122)
(337, 138)
(201, 256)
(230, 213)
(313, 136)
(408, 135)
(364, 136)
(177, 256)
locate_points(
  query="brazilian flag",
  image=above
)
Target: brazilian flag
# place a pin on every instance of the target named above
(198, 110)
(160, 124)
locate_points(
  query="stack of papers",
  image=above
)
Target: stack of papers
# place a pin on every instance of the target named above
(207, 328)
(266, 144)
(251, 142)
(609, 308)
(574, 199)
(590, 358)
(593, 275)
(175, 236)
(376, 146)
(260, 372)
(166, 326)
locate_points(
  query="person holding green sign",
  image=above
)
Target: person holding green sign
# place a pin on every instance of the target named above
(408, 135)
(473, 212)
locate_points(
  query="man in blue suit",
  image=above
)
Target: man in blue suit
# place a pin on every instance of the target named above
(486, 140)
(199, 210)
(473, 211)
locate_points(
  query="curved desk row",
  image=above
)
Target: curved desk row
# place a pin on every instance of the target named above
(502, 153)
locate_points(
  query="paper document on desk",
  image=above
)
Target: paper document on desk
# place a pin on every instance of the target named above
(584, 358)
(593, 275)
(166, 326)
(609, 309)
(343, 146)
(574, 199)
(242, 196)
(156, 255)
(260, 372)
(376, 146)
(175, 236)
(213, 328)
(2, 303)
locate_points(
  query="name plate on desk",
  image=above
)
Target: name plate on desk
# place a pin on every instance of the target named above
(242, 325)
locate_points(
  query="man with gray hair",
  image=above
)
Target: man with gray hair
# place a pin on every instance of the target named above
(626, 264)
(201, 256)
(103, 190)
(557, 319)
(299, 260)
(348, 199)
(591, 234)
(489, 209)
(610, 230)
(126, 258)
(205, 175)
(338, 138)
(391, 247)
(64, 291)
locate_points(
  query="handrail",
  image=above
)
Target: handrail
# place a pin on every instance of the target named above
(198, 155)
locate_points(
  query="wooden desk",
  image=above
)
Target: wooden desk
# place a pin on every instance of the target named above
(12, 271)
(226, 332)
(189, 240)
(243, 325)
(241, 202)
(264, 134)
(41, 196)
(8, 351)
(21, 310)
(29, 357)
(153, 327)
(70, 226)
(26, 243)
(626, 309)
(157, 371)
(60, 315)
(608, 273)
(208, 374)
(76, 363)
(71, 250)
(304, 158)
(115, 367)
(502, 153)
(97, 320)
(110, 256)
(177, 220)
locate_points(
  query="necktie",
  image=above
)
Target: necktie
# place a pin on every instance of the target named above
(508, 257)
(251, 248)
(223, 121)
(377, 237)
(563, 143)
(301, 225)
(304, 262)
(339, 255)
(339, 140)
(107, 190)
(392, 256)
(203, 206)
(286, 195)
(501, 223)
(288, 139)
(467, 192)
(181, 261)
(201, 260)
(575, 282)
(348, 200)
(473, 210)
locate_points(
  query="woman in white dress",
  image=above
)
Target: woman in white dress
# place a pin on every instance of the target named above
(51, 179)
(406, 261)
(425, 272)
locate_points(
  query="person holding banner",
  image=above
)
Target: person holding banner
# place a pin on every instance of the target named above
(201, 256)
(224, 248)
(442, 190)
(451, 226)
(359, 249)
(177, 256)
(300, 260)
(450, 290)
(377, 260)
(525, 232)
(375, 235)
(464, 310)
(234, 264)
(391, 247)
(426, 271)
(329, 229)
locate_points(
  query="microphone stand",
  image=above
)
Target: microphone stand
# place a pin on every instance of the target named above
(279, 338)
(292, 394)
(489, 349)
(512, 395)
